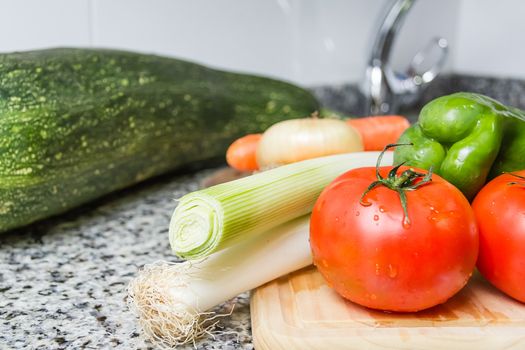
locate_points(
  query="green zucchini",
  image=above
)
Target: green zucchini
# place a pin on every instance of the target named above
(76, 124)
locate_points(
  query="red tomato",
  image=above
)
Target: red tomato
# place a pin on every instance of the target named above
(500, 213)
(371, 256)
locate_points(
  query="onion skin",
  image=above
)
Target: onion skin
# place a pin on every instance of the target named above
(295, 140)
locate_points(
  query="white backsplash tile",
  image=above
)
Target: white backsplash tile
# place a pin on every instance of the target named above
(306, 41)
(30, 24)
(309, 42)
(248, 35)
(490, 38)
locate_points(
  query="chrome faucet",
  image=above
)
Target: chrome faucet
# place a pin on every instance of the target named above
(386, 90)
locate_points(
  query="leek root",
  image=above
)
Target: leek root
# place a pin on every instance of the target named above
(173, 300)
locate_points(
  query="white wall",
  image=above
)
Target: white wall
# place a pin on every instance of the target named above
(306, 41)
(28, 24)
(491, 38)
(309, 42)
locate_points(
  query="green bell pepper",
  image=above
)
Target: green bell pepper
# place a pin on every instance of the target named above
(466, 138)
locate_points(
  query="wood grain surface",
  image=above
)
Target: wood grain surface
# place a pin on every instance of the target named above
(299, 311)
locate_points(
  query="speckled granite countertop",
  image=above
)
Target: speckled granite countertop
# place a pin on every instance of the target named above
(63, 281)
(347, 98)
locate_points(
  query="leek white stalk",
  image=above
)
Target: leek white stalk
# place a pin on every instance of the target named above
(172, 301)
(214, 218)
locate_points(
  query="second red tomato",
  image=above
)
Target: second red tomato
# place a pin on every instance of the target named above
(500, 212)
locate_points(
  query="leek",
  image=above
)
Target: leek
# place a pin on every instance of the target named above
(238, 235)
(215, 218)
(172, 301)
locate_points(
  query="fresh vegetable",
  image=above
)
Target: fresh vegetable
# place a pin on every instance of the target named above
(214, 218)
(79, 123)
(173, 301)
(294, 140)
(379, 131)
(242, 153)
(500, 213)
(465, 136)
(393, 238)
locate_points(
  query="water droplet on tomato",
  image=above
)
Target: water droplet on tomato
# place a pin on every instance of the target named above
(376, 217)
(382, 209)
(337, 219)
(324, 263)
(406, 223)
(437, 216)
(365, 203)
(378, 269)
(373, 296)
(392, 271)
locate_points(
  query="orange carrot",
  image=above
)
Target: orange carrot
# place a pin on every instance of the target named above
(379, 131)
(241, 154)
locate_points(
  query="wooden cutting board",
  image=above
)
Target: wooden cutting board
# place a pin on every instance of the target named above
(300, 311)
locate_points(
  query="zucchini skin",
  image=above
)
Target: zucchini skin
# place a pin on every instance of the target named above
(76, 124)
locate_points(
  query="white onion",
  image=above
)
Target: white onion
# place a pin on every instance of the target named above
(294, 140)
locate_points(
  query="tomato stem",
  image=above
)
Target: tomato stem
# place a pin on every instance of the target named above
(406, 181)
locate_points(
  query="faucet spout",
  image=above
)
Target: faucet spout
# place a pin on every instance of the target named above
(386, 91)
(390, 25)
